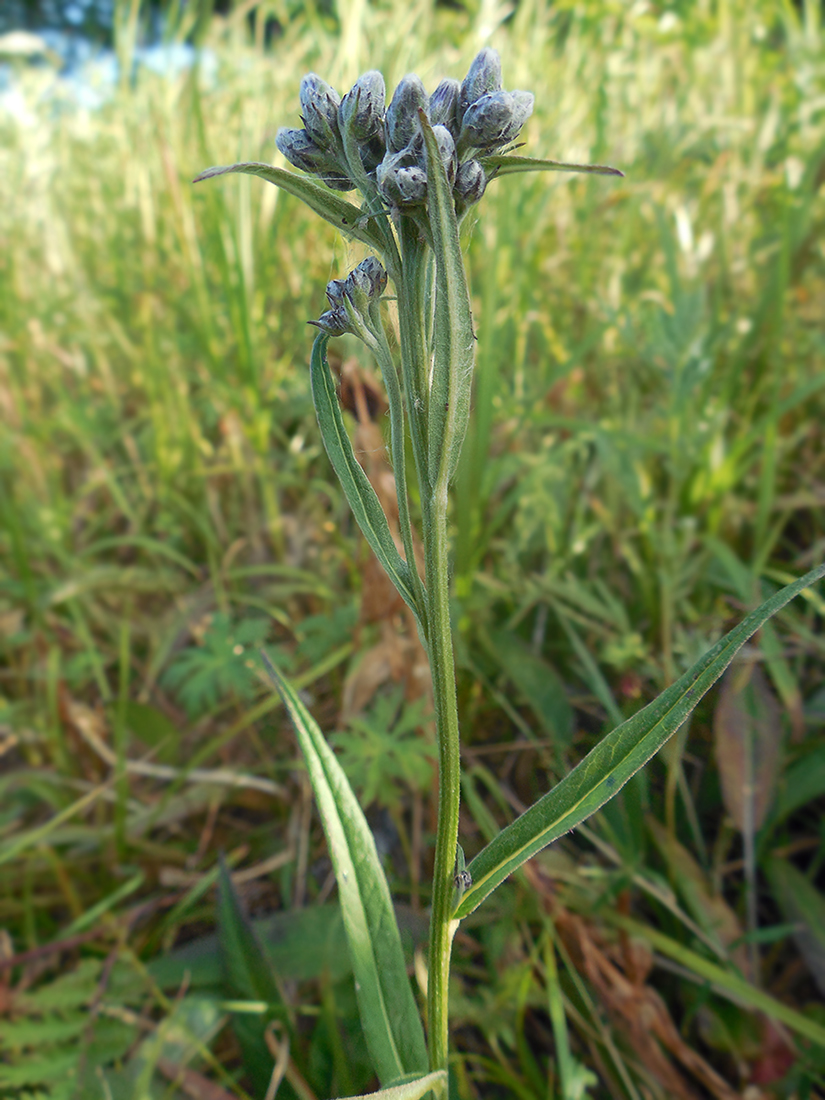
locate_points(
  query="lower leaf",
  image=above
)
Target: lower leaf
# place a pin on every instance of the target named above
(606, 769)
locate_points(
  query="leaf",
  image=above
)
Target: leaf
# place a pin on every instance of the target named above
(606, 769)
(538, 682)
(802, 903)
(723, 981)
(747, 728)
(339, 212)
(410, 1090)
(389, 1016)
(248, 976)
(506, 165)
(454, 350)
(362, 499)
(802, 782)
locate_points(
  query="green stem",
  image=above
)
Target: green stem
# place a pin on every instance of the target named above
(446, 717)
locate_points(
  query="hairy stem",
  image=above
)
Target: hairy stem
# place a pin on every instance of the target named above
(446, 716)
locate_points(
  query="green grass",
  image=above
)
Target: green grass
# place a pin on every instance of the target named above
(645, 462)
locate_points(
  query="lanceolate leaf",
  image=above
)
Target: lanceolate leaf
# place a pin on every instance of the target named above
(449, 407)
(360, 495)
(614, 760)
(506, 165)
(411, 1090)
(337, 211)
(389, 1016)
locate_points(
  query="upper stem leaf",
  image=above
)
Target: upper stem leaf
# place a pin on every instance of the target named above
(360, 495)
(344, 215)
(505, 165)
(453, 339)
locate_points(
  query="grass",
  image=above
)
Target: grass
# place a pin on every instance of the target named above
(645, 462)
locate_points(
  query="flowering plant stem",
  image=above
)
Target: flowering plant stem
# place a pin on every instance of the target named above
(420, 164)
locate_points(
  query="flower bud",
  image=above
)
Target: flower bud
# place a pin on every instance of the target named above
(446, 149)
(400, 183)
(495, 119)
(302, 152)
(401, 122)
(334, 322)
(319, 103)
(335, 292)
(443, 105)
(470, 182)
(366, 283)
(362, 108)
(483, 77)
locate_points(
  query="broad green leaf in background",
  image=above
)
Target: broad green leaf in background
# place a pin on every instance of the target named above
(360, 495)
(389, 1016)
(454, 351)
(802, 903)
(538, 682)
(606, 769)
(248, 976)
(339, 212)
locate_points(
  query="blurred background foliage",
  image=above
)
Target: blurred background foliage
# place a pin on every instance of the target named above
(645, 462)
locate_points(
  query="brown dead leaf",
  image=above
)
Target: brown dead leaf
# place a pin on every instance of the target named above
(747, 727)
(637, 1010)
(710, 910)
(192, 1083)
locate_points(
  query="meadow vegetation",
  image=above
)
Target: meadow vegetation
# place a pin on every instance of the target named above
(645, 463)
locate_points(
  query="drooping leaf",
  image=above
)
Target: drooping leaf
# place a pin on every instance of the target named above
(248, 976)
(361, 497)
(802, 903)
(747, 728)
(504, 165)
(339, 212)
(389, 1016)
(606, 769)
(454, 350)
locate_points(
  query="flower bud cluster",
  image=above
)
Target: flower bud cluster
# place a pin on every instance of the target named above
(364, 285)
(471, 120)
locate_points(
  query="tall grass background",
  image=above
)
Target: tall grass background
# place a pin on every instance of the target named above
(645, 460)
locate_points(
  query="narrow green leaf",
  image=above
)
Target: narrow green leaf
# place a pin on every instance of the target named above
(392, 1026)
(506, 165)
(339, 212)
(801, 902)
(723, 981)
(366, 507)
(410, 1090)
(454, 350)
(248, 976)
(606, 769)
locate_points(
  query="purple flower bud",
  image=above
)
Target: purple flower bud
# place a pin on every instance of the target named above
(470, 182)
(495, 119)
(362, 108)
(335, 322)
(365, 283)
(400, 183)
(446, 148)
(302, 152)
(335, 292)
(319, 103)
(483, 77)
(443, 105)
(401, 122)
